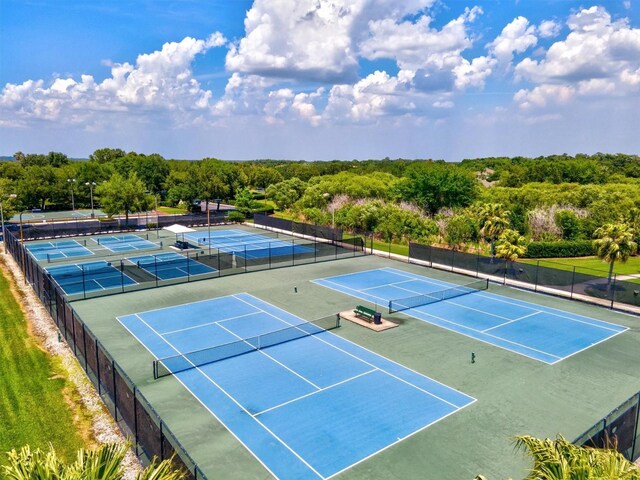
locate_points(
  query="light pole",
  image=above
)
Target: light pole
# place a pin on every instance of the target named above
(71, 181)
(91, 185)
(4, 236)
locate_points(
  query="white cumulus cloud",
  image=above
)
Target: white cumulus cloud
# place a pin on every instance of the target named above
(516, 37)
(600, 56)
(161, 80)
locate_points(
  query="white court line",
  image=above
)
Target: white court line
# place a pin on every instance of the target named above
(541, 308)
(467, 328)
(215, 322)
(511, 321)
(233, 400)
(470, 399)
(260, 350)
(199, 400)
(358, 358)
(329, 387)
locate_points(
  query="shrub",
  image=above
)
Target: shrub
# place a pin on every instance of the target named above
(236, 216)
(576, 248)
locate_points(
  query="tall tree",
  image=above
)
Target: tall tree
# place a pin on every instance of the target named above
(614, 242)
(152, 170)
(106, 155)
(510, 246)
(123, 195)
(8, 198)
(57, 159)
(287, 192)
(460, 229)
(434, 185)
(37, 186)
(211, 181)
(493, 219)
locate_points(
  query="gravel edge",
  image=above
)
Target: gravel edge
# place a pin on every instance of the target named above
(44, 329)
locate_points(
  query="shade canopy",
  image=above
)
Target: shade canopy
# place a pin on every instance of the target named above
(179, 229)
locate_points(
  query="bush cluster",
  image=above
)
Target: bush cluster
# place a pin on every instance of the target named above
(565, 248)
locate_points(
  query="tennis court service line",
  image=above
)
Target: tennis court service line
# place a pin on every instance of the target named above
(232, 398)
(261, 351)
(361, 360)
(216, 322)
(523, 304)
(224, 392)
(322, 389)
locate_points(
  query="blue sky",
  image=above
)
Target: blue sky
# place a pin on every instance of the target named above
(318, 80)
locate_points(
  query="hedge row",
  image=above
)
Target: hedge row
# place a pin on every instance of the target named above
(566, 248)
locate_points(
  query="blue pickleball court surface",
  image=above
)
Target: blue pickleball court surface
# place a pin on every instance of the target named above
(125, 243)
(55, 250)
(247, 245)
(89, 277)
(542, 333)
(167, 266)
(307, 408)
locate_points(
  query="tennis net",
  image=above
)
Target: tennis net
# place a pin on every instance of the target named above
(150, 263)
(406, 303)
(82, 270)
(179, 363)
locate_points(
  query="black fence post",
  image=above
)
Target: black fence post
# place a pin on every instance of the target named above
(613, 289)
(84, 285)
(115, 393)
(135, 418)
(122, 274)
(84, 348)
(188, 267)
(573, 280)
(535, 285)
(97, 345)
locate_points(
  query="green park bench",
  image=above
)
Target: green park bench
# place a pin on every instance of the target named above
(365, 313)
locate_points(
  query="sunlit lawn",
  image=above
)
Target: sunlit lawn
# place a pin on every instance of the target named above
(172, 210)
(33, 394)
(595, 265)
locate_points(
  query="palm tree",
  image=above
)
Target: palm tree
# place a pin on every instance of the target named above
(103, 463)
(559, 459)
(510, 246)
(614, 241)
(494, 219)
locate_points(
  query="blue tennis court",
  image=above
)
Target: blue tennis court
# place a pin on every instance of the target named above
(125, 243)
(166, 266)
(308, 406)
(542, 333)
(247, 245)
(89, 277)
(57, 249)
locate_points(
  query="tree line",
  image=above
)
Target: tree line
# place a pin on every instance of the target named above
(546, 199)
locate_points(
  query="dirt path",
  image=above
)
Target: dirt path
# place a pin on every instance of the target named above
(103, 428)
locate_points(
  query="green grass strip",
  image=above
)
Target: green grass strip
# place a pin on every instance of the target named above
(590, 265)
(35, 399)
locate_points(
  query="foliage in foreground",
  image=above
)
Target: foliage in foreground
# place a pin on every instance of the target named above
(560, 459)
(103, 463)
(34, 404)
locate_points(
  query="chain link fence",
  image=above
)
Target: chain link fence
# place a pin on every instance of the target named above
(617, 430)
(128, 406)
(578, 283)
